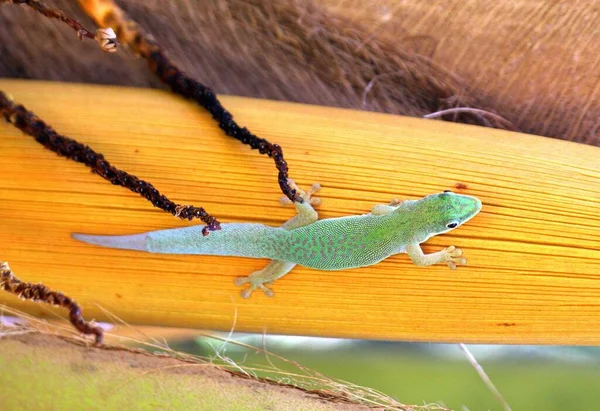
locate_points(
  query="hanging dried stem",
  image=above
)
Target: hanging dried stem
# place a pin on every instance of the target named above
(67, 147)
(106, 38)
(107, 14)
(39, 292)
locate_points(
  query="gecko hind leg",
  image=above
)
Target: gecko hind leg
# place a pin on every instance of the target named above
(261, 278)
(305, 214)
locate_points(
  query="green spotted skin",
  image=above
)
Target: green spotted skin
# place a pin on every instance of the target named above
(347, 242)
(329, 244)
(358, 241)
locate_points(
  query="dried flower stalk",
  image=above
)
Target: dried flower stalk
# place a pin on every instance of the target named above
(39, 292)
(67, 147)
(107, 14)
(106, 38)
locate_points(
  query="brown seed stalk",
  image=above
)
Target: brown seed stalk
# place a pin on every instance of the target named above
(39, 292)
(105, 38)
(107, 14)
(81, 153)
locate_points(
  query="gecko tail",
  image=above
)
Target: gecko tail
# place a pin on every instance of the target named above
(128, 242)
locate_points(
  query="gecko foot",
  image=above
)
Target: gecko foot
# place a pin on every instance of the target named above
(246, 293)
(306, 195)
(452, 257)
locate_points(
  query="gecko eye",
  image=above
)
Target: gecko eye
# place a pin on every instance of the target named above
(447, 191)
(453, 224)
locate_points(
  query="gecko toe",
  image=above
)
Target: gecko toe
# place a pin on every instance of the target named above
(315, 201)
(457, 253)
(246, 293)
(268, 292)
(453, 257)
(305, 195)
(315, 187)
(239, 281)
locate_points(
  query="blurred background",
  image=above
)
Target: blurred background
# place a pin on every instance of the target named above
(548, 378)
(533, 62)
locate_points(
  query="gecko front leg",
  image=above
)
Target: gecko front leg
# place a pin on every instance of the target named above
(449, 255)
(305, 214)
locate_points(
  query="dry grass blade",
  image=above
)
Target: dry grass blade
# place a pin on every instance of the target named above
(499, 121)
(309, 381)
(484, 377)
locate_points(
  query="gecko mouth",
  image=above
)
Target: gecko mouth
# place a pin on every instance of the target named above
(472, 208)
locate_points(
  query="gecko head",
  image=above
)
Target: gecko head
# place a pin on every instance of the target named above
(446, 211)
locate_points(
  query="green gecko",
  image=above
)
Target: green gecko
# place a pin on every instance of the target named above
(329, 244)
